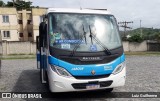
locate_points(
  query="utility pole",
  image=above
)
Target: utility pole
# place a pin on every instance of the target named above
(124, 25)
(13, 3)
(141, 26)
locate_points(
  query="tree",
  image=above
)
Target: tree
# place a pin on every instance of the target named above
(23, 5)
(2, 4)
(9, 4)
(148, 33)
(136, 38)
(158, 37)
(20, 5)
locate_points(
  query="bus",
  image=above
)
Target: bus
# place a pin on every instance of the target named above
(0, 52)
(80, 50)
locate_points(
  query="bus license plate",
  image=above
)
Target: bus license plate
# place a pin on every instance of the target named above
(92, 86)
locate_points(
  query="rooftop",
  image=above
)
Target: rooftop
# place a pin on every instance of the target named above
(76, 10)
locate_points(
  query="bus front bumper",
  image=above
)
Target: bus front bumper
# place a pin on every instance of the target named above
(62, 84)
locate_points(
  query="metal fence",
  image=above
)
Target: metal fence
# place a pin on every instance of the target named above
(153, 46)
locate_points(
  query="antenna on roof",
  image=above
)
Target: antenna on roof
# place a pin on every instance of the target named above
(80, 4)
(80, 8)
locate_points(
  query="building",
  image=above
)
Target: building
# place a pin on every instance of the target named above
(36, 19)
(20, 25)
(9, 24)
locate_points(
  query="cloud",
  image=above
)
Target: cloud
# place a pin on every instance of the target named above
(124, 10)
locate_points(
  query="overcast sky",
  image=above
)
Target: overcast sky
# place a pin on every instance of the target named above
(124, 10)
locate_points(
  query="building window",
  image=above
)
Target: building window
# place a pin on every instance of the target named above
(20, 34)
(20, 22)
(29, 21)
(29, 34)
(5, 18)
(6, 34)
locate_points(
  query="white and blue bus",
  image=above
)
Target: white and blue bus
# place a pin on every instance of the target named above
(80, 49)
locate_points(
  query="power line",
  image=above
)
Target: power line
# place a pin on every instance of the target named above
(124, 24)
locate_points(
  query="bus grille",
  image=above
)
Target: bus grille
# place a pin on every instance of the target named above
(83, 85)
(92, 77)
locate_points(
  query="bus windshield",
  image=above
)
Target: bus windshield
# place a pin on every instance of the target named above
(66, 31)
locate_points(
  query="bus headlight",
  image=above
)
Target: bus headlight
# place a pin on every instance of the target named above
(60, 71)
(119, 68)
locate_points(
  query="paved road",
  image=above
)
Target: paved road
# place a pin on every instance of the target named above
(143, 75)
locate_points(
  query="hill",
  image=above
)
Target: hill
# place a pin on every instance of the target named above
(147, 33)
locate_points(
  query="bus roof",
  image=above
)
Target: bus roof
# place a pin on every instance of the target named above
(76, 10)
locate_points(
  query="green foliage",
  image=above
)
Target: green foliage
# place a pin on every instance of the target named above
(147, 33)
(158, 36)
(9, 4)
(136, 38)
(2, 4)
(19, 5)
(23, 5)
(124, 39)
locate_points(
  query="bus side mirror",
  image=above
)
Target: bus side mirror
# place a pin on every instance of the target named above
(42, 28)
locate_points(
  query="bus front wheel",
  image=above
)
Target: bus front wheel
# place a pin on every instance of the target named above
(109, 90)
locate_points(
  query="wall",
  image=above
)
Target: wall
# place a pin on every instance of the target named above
(36, 33)
(126, 46)
(15, 47)
(153, 45)
(134, 46)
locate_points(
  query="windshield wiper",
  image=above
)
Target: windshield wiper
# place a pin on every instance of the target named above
(98, 42)
(84, 34)
(91, 36)
(76, 47)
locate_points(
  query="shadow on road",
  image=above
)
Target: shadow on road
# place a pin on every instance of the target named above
(29, 81)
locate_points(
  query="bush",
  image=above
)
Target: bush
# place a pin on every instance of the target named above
(136, 38)
(158, 37)
(124, 39)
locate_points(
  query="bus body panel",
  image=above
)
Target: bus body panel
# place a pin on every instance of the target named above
(85, 70)
(62, 84)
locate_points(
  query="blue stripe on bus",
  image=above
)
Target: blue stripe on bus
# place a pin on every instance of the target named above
(123, 58)
(52, 60)
(45, 61)
(85, 70)
(38, 57)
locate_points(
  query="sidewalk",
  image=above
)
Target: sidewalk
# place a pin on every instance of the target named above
(4, 57)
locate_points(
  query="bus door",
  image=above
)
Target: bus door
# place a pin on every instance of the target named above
(42, 51)
(38, 52)
(0, 51)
